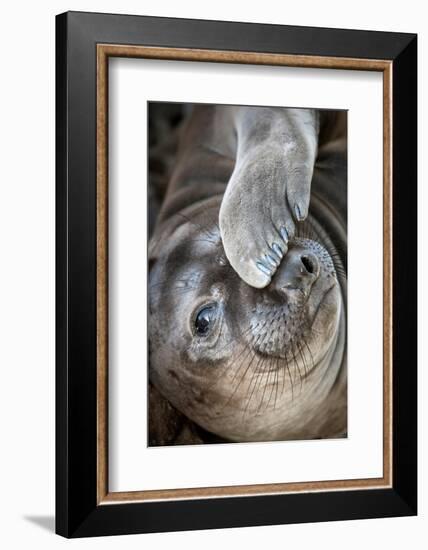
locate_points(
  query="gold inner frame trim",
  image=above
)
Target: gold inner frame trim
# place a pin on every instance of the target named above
(104, 51)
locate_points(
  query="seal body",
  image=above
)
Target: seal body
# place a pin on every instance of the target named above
(236, 361)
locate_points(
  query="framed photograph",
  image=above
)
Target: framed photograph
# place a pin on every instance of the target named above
(236, 274)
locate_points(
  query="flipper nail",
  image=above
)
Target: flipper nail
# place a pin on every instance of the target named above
(272, 261)
(284, 234)
(300, 217)
(277, 250)
(263, 268)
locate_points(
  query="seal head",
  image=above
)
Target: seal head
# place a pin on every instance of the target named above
(244, 363)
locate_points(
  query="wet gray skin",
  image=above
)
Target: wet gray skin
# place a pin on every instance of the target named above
(244, 363)
(247, 291)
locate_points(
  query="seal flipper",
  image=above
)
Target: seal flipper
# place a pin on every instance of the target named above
(269, 190)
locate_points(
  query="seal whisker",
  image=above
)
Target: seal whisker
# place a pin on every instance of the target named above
(273, 371)
(296, 365)
(283, 369)
(249, 350)
(241, 379)
(287, 367)
(307, 230)
(258, 334)
(310, 353)
(241, 352)
(266, 383)
(275, 317)
(250, 363)
(275, 377)
(255, 377)
(276, 382)
(240, 334)
(299, 349)
(292, 350)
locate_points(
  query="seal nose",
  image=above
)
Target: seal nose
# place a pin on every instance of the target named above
(310, 263)
(299, 270)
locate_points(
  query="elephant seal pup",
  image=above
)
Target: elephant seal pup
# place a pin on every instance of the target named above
(249, 357)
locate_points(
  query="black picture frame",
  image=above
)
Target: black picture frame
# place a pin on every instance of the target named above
(78, 513)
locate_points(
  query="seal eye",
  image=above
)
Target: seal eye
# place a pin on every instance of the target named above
(205, 319)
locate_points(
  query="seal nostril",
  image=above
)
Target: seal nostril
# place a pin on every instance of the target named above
(308, 263)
